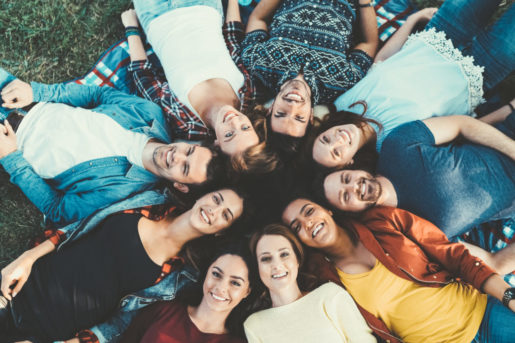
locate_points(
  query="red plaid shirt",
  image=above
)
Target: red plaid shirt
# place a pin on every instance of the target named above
(152, 85)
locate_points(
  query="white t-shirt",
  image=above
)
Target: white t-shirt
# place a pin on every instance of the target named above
(190, 45)
(54, 137)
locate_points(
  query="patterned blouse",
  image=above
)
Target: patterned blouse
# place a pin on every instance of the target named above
(313, 36)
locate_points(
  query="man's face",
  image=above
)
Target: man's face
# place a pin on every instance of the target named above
(291, 111)
(234, 131)
(352, 190)
(182, 162)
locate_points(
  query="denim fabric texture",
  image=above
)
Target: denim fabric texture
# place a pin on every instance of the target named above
(92, 185)
(465, 23)
(5, 79)
(497, 325)
(149, 10)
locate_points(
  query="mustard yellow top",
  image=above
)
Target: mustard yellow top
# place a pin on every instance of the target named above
(415, 313)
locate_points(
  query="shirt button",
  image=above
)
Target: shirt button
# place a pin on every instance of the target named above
(90, 163)
(387, 254)
(477, 264)
(116, 160)
(434, 276)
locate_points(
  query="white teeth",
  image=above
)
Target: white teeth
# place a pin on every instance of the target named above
(277, 276)
(293, 96)
(347, 135)
(216, 297)
(363, 189)
(317, 230)
(204, 216)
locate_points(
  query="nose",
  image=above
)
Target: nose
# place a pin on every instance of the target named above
(178, 157)
(215, 211)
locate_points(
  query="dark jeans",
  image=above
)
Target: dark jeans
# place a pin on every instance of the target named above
(465, 21)
(498, 324)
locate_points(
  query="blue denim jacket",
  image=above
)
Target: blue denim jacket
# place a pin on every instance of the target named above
(111, 330)
(92, 185)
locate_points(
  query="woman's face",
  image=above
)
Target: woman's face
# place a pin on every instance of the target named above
(277, 262)
(337, 146)
(216, 211)
(226, 283)
(234, 131)
(313, 224)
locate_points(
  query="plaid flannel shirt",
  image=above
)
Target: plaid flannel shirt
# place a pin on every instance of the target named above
(152, 85)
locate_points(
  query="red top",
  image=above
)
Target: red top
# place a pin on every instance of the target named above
(169, 322)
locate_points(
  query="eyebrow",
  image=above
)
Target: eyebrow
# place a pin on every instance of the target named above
(301, 210)
(218, 269)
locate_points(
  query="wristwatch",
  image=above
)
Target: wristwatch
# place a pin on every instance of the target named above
(509, 294)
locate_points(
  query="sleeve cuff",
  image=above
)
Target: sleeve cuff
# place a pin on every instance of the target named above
(140, 65)
(13, 161)
(40, 91)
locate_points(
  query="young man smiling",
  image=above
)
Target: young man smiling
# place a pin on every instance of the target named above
(83, 148)
(457, 185)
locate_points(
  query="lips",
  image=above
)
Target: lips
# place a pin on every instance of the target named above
(229, 116)
(279, 276)
(218, 298)
(345, 135)
(293, 96)
(317, 230)
(204, 217)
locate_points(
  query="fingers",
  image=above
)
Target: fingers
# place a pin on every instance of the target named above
(5, 287)
(19, 285)
(8, 128)
(17, 94)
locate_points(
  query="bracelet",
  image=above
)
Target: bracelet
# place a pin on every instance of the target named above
(366, 5)
(511, 107)
(132, 31)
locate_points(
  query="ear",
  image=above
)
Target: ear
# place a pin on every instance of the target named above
(330, 212)
(181, 187)
(216, 142)
(351, 162)
(248, 292)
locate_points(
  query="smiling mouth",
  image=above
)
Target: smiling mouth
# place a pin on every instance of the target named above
(317, 229)
(293, 96)
(346, 135)
(217, 298)
(204, 216)
(229, 116)
(279, 276)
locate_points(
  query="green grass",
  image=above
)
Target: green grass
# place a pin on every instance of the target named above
(53, 41)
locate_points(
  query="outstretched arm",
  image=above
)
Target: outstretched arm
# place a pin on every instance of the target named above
(496, 286)
(396, 42)
(499, 115)
(260, 16)
(17, 272)
(446, 129)
(368, 26)
(136, 48)
(233, 11)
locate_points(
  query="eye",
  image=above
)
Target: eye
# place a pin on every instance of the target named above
(347, 178)
(336, 153)
(216, 199)
(310, 211)
(190, 151)
(295, 227)
(265, 259)
(300, 118)
(285, 254)
(216, 274)
(245, 127)
(226, 216)
(325, 139)
(279, 114)
(235, 283)
(229, 134)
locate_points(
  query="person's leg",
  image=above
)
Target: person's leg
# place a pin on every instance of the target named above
(148, 10)
(497, 325)
(461, 20)
(494, 49)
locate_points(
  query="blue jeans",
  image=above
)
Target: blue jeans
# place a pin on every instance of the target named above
(149, 10)
(5, 79)
(465, 21)
(498, 324)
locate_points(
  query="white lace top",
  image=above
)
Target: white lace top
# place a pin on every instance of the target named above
(427, 77)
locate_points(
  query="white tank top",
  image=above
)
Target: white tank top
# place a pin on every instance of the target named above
(190, 45)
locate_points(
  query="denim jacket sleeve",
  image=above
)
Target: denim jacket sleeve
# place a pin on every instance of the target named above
(80, 95)
(58, 206)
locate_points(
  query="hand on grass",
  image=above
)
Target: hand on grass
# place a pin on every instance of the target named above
(15, 275)
(7, 139)
(17, 94)
(129, 18)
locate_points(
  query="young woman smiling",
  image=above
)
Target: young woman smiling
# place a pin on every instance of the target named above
(333, 315)
(402, 271)
(52, 297)
(211, 311)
